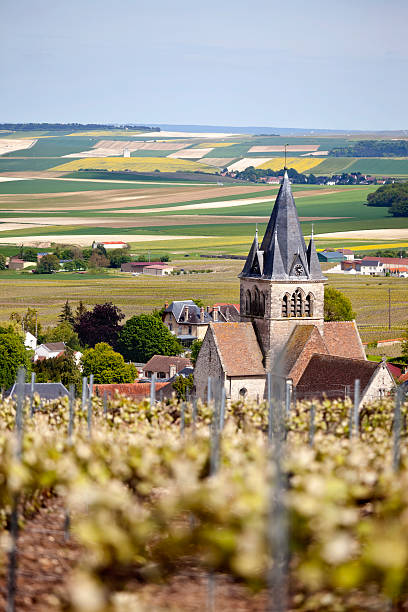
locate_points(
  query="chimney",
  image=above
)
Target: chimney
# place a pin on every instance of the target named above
(202, 314)
(186, 314)
(215, 314)
(166, 304)
(173, 371)
(208, 309)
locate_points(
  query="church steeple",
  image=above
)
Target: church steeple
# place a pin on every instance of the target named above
(284, 236)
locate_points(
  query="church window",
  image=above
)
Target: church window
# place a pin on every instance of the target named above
(262, 304)
(248, 301)
(293, 305)
(296, 304)
(285, 305)
(309, 305)
(256, 304)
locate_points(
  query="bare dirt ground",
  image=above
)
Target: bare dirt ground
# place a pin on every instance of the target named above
(15, 144)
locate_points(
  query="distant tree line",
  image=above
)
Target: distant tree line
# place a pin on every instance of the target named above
(372, 148)
(72, 126)
(394, 196)
(254, 174)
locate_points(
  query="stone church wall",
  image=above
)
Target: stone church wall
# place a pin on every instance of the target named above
(208, 364)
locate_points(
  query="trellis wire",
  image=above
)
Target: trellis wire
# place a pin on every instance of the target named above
(222, 408)
(194, 414)
(182, 418)
(356, 406)
(13, 554)
(288, 398)
(84, 390)
(71, 408)
(396, 455)
(209, 390)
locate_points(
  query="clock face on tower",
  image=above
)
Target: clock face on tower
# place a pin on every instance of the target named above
(298, 269)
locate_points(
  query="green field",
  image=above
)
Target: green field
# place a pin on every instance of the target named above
(143, 293)
(366, 165)
(56, 146)
(333, 165)
(58, 186)
(31, 164)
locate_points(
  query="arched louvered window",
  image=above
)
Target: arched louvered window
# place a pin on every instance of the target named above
(309, 302)
(262, 304)
(247, 302)
(285, 305)
(297, 304)
(256, 304)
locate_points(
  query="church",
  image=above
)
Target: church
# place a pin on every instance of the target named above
(282, 328)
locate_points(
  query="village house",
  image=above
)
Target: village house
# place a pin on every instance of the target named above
(138, 266)
(281, 328)
(164, 366)
(189, 322)
(50, 350)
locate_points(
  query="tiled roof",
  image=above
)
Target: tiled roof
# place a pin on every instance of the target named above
(226, 313)
(238, 349)
(304, 341)
(135, 390)
(330, 375)
(394, 370)
(162, 363)
(342, 339)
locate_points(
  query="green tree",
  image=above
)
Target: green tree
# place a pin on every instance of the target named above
(66, 314)
(81, 310)
(118, 256)
(13, 355)
(337, 307)
(64, 332)
(47, 265)
(28, 321)
(59, 369)
(107, 366)
(183, 385)
(29, 254)
(195, 349)
(399, 207)
(143, 336)
(97, 260)
(2, 262)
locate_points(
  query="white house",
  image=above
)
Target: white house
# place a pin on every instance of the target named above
(30, 341)
(119, 244)
(49, 350)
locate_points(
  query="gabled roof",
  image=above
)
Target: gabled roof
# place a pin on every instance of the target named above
(304, 341)
(238, 349)
(333, 376)
(282, 254)
(227, 313)
(53, 347)
(162, 363)
(47, 391)
(342, 339)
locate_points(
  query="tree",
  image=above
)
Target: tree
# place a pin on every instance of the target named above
(399, 207)
(97, 260)
(64, 332)
(145, 335)
(66, 314)
(118, 256)
(387, 195)
(183, 385)
(195, 349)
(29, 321)
(47, 265)
(81, 309)
(29, 254)
(2, 262)
(107, 366)
(100, 325)
(13, 355)
(59, 369)
(337, 307)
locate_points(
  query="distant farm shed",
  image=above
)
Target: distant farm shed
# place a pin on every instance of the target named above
(119, 244)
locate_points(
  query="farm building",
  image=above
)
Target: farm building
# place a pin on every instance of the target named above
(119, 244)
(46, 391)
(137, 266)
(158, 269)
(189, 322)
(15, 263)
(329, 256)
(281, 328)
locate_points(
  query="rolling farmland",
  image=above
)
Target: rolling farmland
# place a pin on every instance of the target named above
(139, 164)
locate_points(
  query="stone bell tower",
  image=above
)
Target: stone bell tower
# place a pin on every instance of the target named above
(282, 284)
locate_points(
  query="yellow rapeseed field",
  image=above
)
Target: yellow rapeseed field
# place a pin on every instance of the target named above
(301, 164)
(138, 164)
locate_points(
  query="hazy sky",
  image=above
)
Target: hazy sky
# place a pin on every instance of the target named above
(316, 64)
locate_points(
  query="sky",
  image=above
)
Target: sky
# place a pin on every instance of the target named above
(317, 64)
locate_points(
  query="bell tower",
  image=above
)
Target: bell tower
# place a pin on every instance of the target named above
(281, 284)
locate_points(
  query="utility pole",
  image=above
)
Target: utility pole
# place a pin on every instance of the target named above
(389, 308)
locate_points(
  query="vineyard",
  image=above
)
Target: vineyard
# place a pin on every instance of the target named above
(301, 506)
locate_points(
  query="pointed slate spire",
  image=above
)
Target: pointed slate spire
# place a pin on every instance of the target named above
(284, 217)
(273, 260)
(252, 256)
(315, 270)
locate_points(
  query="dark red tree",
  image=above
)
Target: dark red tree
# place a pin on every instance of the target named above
(100, 325)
